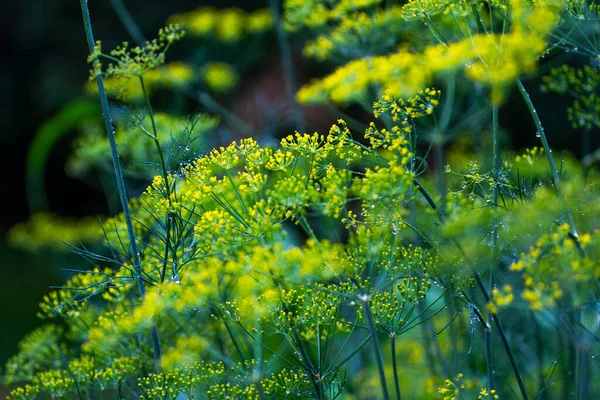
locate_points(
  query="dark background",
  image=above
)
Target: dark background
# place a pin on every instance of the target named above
(43, 65)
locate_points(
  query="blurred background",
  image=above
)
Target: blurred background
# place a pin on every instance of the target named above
(43, 67)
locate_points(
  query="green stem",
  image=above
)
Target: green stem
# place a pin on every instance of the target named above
(429, 199)
(165, 175)
(478, 20)
(229, 118)
(128, 22)
(307, 228)
(496, 168)
(496, 140)
(395, 367)
(235, 343)
(435, 31)
(166, 254)
(540, 131)
(237, 192)
(487, 299)
(553, 170)
(119, 176)
(489, 357)
(307, 364)
(288, 65)
(509, 352)
(163, 164)
(539, 349)
(438, 152)
(378, 355)
(582, 360)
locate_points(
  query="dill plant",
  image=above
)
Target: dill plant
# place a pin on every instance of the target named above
(338, 265)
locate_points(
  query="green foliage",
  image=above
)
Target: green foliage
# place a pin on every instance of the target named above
(352, 264)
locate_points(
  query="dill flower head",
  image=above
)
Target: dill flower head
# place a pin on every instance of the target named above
(220, 77)
(227, 25)
(48, 232)
(480, 56)
(581, 84)
(316, 13)
(134, 62)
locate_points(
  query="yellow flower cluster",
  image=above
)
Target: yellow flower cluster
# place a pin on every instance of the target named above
(530, 155)
(553, 267)
(228, 25)
(171, 74)
(126, 63)
(488, 394)
(501, 298)
(49, 232)
(359, 34)
(316, 13)
(494, 60)
(220, 77)
(451, 388)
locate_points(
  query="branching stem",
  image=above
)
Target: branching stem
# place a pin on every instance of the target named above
(378, 355)
(509, 352)
(119, 176)
(553, 170)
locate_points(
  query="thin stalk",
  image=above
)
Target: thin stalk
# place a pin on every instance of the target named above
(568, 368)
(509, 352)
(307, 364)
(478, 20)
(539, 349)
(119, 176)
(585, 143)
(155, 137)
(581, 375)
(438, 152)
(395, 367)
(166, 254)
(429, 199)
(235, 343)
(165, 175)
(229, 118)
(287, 62)
(128, 22)
(306, 227)
(582, 360)
(435, 31)
(496, 140)
(378, 355)
(489, 357)
(351, 122)
(237, 193)
(553, 170)
(540, 131)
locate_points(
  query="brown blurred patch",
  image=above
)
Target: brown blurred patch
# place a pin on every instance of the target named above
(264, 102)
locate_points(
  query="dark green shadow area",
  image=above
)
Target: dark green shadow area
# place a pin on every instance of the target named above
(26, 279)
